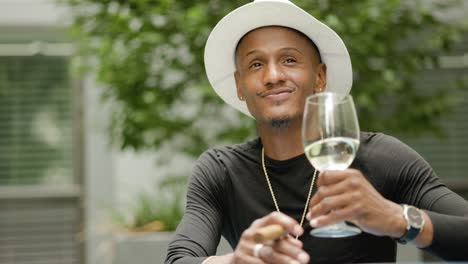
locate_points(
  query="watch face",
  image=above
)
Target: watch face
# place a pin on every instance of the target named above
(415, 217)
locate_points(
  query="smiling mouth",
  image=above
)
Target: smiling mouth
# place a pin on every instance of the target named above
(277, 94)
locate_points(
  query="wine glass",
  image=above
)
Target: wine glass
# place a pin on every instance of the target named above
(330, 135)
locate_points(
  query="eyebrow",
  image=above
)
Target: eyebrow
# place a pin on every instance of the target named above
(282, 49)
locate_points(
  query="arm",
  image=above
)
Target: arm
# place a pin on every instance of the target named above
(198, 234)
(449, 216)
(446, 213)
(284, 250)
(443, 232)
(395, 174)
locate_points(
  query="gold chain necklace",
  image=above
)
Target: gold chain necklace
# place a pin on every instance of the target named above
(273, 194)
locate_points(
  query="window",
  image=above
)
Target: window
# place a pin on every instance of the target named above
(35, 121)
(39, 158)
(449, 155)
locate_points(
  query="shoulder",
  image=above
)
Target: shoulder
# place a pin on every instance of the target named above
(218, 160)
(377, 138)
(399, 172)
(386, 156)
(222, 154)
(388, 160)
(382, 146)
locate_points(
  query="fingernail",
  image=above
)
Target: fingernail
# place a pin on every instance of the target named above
(293, 262)
(298, 230)
(313, 222)
(303, 257)
(308, 216)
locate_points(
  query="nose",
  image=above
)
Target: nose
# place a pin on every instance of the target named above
(273, 74)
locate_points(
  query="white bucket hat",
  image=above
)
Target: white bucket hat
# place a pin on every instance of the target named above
(222, 42)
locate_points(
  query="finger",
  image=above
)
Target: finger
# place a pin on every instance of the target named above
(333, 217)
(249, 259)
(322, 198)
(288, 223)
(248, 234)
(332, 177)
(294, 241)
(269, 255)
(331, 203)
(245, 251)
(328, 190)
(291, 248)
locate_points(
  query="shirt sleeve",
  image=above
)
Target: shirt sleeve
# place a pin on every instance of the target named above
(198, 234)
(449, 216)
(409, 179)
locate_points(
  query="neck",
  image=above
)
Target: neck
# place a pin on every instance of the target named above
(281, 141)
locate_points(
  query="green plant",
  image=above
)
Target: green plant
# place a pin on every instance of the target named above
(149, 54)
(159, 211)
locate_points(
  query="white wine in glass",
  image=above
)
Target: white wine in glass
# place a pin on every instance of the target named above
(330, 135)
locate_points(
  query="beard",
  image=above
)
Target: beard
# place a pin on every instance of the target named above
(280, 123)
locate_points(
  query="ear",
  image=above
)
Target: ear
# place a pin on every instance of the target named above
(240, 95)
(320, 78)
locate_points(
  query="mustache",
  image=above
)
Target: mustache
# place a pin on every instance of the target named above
(276, 91)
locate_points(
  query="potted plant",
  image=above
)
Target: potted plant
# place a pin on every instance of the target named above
(143, 233)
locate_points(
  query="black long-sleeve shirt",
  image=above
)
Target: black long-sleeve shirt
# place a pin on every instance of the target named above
(228, 190)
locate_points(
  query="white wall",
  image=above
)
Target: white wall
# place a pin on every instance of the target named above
(99, 176)
(31, 13)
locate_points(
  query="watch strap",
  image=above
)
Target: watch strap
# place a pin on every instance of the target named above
(411, 232)
(409, 235)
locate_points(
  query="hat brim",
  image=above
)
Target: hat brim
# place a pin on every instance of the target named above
(221, 44)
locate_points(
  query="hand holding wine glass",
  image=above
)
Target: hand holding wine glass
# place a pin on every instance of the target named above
(330, 135)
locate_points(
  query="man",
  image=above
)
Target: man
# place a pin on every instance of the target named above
(264, 59)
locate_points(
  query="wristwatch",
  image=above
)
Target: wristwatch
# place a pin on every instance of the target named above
(414, 223)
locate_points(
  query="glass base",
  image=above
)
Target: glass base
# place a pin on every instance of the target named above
(337, 230)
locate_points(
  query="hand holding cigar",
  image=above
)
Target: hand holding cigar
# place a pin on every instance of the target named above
(269, 233)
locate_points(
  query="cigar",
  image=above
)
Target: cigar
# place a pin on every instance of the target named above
(266, 233)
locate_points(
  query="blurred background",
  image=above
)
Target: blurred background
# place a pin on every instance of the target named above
(104, 106)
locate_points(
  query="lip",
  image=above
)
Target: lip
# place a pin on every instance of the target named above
(278, 96)
(277, 93)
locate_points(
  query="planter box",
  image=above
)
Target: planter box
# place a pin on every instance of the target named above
(147, 247)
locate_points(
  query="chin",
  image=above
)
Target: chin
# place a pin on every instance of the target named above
(278, 112)
(281, 120)
(280, 123)
(287, 114)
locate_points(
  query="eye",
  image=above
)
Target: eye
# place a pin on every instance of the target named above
(289, 60)
(255, 65)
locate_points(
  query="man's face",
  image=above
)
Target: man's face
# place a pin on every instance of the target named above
(277, 68)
